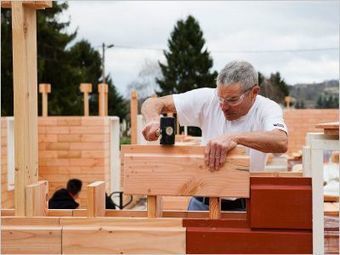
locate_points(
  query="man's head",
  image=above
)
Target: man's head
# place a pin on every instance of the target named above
(74, 187)
(237, 87)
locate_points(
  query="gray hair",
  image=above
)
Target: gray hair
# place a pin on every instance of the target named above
(238, 71)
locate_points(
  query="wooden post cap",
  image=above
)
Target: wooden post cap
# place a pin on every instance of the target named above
(103, 88)
(45, 88)
(86, 87)
(134, 94)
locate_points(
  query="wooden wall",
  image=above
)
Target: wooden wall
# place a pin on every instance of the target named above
(300, 122)
(74, 147)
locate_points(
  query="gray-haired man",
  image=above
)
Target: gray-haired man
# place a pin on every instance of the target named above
(231, 114)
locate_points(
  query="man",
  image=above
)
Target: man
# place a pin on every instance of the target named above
(231, 114)
(66, 198)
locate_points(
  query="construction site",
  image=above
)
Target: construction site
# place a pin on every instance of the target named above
(292, 206)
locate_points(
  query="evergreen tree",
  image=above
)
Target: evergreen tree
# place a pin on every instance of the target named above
(65, 68)
(188, 61)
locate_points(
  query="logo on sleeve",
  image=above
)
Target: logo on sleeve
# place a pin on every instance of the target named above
(278, 125)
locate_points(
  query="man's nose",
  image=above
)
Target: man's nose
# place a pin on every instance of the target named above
(224, 106)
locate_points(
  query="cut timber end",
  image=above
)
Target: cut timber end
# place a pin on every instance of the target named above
(85, 87)
(103, 87)
(45, 88)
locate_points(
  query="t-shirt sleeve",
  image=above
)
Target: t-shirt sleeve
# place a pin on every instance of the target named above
(190, 106)
(273, 118)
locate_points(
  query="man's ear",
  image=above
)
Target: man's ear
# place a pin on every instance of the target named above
(256, 90)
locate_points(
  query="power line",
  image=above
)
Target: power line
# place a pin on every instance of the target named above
(241, 51)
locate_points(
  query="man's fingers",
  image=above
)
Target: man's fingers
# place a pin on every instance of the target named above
(212, 156)
(223, 156)
(217, 157)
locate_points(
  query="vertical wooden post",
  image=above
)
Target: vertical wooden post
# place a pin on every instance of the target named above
(96, 199)
(154, 206)
(288, 100)
(36, 199)
(86, 88)
(44, 89)
(214, 208)
(24, 34)
(133, 116)
(102, 104)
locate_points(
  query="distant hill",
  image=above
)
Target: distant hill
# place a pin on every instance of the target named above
(309, 93)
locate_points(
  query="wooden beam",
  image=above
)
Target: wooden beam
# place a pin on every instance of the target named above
(86, 88)
(133, 116)
(184, 175)
(154, 206)
(36, 199)
(96, 199)
(174, 150)
(102, 104)
(30, 240)
(214, 208)
(121, 222)
(294, 209)
(32, 221)
(31, 4)
(121, 240)
(25, 100)
(44, 89)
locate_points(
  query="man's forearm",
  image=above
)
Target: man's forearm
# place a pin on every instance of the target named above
(151, 109)
(275, 141)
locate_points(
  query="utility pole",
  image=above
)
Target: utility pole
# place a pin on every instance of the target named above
(103, 59)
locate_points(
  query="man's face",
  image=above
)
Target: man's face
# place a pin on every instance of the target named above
(234, 101)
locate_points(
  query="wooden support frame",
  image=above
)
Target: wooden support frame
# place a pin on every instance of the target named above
(86, 88)
(133, 115)
(103, 98)
(44, 89)
(32, 4)
(313, 165)
(25, 100)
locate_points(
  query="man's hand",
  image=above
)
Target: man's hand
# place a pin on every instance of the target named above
(216, 151)
(151, 131)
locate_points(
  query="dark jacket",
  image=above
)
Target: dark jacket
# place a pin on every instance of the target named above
(61, 199)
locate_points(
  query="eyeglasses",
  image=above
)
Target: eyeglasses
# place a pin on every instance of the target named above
(233, 101)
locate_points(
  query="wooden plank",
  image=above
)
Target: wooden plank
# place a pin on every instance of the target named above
(216, 223)
(44, 89)
(7, 212)
(184, 175)
(121, 240)
(175, 203)
(37, 199)
(214, 208)
(330, 198)
(121, 222)
(133, 115)
(279, 202)
(154, 206)
(36, 221)
(96, 199)
(59, 212)
(30, 240)
(330, 128)
(174, 150)
(276, 174)
(25, 100)
(246, 241)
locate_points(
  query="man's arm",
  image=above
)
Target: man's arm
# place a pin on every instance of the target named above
(275, 141)
(151, 110)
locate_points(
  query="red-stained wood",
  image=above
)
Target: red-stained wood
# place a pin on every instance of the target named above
(280, 202)
(202, 240)
(218, 223)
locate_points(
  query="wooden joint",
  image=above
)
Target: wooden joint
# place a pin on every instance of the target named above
(86, 87)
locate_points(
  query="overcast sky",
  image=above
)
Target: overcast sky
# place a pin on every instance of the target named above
(265, 33)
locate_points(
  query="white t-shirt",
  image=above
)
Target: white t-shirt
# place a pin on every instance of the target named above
(200, 108)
